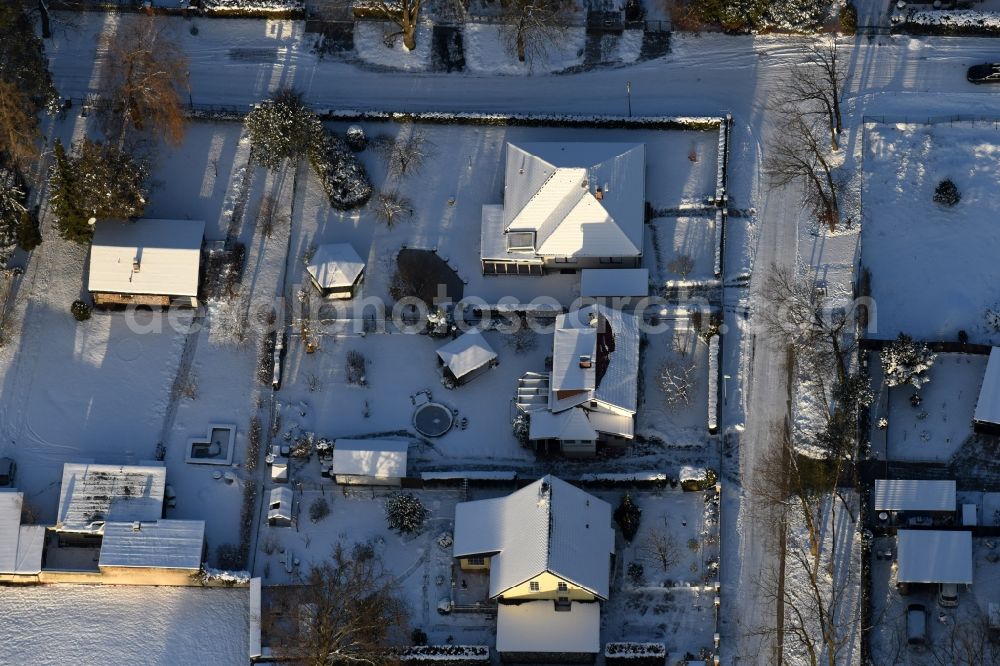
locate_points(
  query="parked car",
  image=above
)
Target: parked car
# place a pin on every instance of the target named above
(948, 595)
(988, 72)
(8, 470)
(916, 626)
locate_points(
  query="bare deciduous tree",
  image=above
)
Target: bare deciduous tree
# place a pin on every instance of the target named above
(796, 154)
(816, 87)
(145, 77)
(391, 207)
(403, 155)
(661, 548)
(677, 380)
(404, 14)
(682, 264)
(531, 26)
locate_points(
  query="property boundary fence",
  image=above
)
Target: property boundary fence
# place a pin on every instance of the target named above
(978, 121)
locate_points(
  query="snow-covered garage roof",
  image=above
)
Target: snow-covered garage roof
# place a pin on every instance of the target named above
(988, 405)
(466, 353)
(549, 525)
(163, 544)
(167, 252)
(380, 458)
(580, 199)
(601, 282)
(914, 495)
(20, 545)
(536, 626)
(934, 556)
(335, 266)
(95, 494)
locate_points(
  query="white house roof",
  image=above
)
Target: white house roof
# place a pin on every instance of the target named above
(549, 525)
(381, 458)
(163, 544)
(571, 424)
(914, 495)
(988, 405)
(20, 545)
(536, 626)
(600, 282)
(466, 353)
(109, 493)
(551, 188)
(335, 266)
(934, 556)
(568, 346)
(168, 253)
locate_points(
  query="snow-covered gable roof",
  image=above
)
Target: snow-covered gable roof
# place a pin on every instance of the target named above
(988, 405)
(934, 556)
(551, 188)
(109, 493)
(537, 627)
(549, 525)
(163, 544)
(335, 266)
(20, 545)
(168, 253)
(381, 458)
(914, 495)
(601, 282)
(466, 353)
(571, 424)
(617, 387)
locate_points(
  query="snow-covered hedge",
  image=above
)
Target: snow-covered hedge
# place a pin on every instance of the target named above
(949, 22)
(344, 179)
(254, 8)
(713, 384)
(530, 120)
(452, 654)
(634, 654)
(231, 578)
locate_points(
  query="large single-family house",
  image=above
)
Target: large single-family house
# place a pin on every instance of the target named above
(590, 396)
(567, 206)
(147, 262)
(549, 549)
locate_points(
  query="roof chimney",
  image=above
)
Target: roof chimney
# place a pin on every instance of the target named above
(136, 526)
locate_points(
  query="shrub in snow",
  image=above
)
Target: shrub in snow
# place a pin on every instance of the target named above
(80, 311)
(445, 540)
(906, 362)
(344, 179)
(319, 509)
(230, 578)
(251, 7)
(915, 400)
(946, 193)
(963, 337)
(356, 138)
(849, 19)
(418, 636)
(405, 513)
(635, 572)
(635, 654)
(28, 235)
(282, 127)
(454, 655)
(627, 516)
(883, 423)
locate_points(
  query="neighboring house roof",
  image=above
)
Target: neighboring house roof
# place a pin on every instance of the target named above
(162, 544)
(109, 493)
(381, 458)
(934, 556)
(914, 495)
(20, 545)
(549, 525)
(466, 353)
(168, 253)
(571, 424)
(600, 282)
(335, 266)
(551, 188)
(537, 627)
(617, 386)
(988, 405)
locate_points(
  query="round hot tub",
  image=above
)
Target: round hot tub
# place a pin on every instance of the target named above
(432, 419)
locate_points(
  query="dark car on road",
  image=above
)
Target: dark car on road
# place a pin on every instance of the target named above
(988, 72)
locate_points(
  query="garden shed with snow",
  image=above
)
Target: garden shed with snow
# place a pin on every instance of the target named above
(466, 357)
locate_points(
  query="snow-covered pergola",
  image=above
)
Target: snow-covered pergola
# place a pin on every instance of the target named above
(336, 270)
(934, 556)
(987, 415)
(467, 356)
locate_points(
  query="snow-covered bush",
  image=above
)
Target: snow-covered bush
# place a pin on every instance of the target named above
(627, 516)
(225, 576)
(445, 540)
(319, 509)
(906, 362)
(252, 7)
(344, 178)
(356, 138)
(946, 193)
(405, 513)
(636, 572)
(676, 380)
(882, 423)
(282, 127)
(80, 310)
(454, 655)
(635, 654)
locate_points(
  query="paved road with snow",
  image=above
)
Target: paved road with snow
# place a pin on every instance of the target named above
(240, 62)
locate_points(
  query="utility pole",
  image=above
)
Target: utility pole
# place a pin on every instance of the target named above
(628, 96)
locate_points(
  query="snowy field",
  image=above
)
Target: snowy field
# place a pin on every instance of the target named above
(937, 428)
(933, 266)
(91, 625)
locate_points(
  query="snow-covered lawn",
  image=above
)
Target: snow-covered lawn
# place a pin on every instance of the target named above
(692, 237)
(109, 624)
(941, 424)
(486, 51)
(933, 266)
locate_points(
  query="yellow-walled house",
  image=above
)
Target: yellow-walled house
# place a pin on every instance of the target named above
(549, 549)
